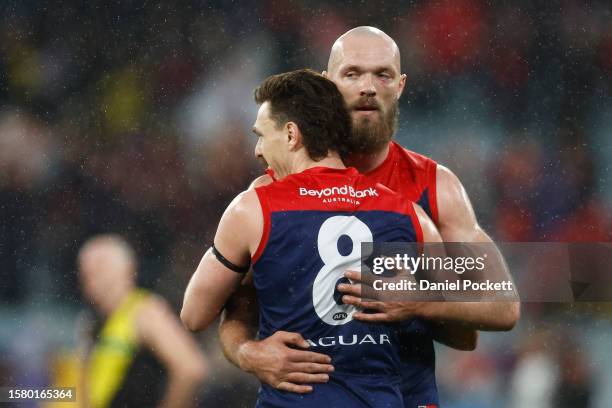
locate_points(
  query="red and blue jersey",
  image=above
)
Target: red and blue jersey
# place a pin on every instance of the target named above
(314, 224)
(413, 177)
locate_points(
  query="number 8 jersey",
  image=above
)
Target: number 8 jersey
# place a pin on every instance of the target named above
(314, 224)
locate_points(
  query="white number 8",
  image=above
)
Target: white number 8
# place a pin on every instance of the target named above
(336, 264)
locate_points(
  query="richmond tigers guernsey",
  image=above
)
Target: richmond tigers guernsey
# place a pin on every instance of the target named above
(314, 223)
(120, 373)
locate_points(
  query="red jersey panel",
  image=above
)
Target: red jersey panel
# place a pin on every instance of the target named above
(411, 175)
(333, 190)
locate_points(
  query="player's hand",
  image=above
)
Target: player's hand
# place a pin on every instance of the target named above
(382, 312)
(278, 362)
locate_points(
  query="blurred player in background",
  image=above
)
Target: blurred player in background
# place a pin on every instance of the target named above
(138, 354)
(299, 245)
(365, 65)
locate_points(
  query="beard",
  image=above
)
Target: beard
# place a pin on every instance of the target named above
(371, 134)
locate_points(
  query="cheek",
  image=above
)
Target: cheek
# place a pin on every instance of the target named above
(388, 97)
(89, 287)
(389, 91)
(347, 89)
(264, 149)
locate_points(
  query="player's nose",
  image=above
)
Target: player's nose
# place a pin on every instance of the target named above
(366, 86)
(258, 150)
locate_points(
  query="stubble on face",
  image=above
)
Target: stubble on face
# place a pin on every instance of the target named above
(373, 132)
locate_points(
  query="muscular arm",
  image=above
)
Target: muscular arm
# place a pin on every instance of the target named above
(452, 334)
(457, 223)
(212, 283)
(455, 334)
(159, 330)
(239, 321)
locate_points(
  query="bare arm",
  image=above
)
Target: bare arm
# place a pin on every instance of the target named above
(454, 334)
(239, 322)
(212, 283)
(240, 319)
(457, 223)
(159, 330)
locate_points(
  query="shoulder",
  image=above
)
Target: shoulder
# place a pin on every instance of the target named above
(413, 158)
(455, 211)
(449, 186)
(153, 305)
(419, 169)
(261, 181)
(150, 312)
(241, 224)
(244, 205)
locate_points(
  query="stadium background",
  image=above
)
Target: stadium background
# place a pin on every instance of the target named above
(135, 118)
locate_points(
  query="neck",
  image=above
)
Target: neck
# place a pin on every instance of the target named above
(365, 162)
(303, 162)
(113, 299)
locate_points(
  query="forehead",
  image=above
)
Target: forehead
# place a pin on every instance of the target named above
(367, 53)
(263, 114)
(98, 250)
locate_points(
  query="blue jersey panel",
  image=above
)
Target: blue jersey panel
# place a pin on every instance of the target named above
(305, 257)
(341, 391)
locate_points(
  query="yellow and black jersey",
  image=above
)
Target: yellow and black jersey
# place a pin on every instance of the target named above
(120, 372)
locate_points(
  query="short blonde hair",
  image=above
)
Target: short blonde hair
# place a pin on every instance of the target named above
(113, 239)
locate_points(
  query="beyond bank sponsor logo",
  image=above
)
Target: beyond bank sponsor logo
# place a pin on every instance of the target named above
(339, 194)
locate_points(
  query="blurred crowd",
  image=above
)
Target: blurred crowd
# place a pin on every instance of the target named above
(135, 118)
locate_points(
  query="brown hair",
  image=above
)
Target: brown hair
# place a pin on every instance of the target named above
(314, 103)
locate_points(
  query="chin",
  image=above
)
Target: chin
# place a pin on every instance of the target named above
(359, 118)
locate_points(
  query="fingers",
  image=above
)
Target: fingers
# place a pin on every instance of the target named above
(373, 317)
(351, 300)
(303, 378)
(382, 316)
(298, 389)
(294, 339)
(364, 304)
(353, 275)
(294, 382)
(312, 368)
(299, 356)
(354, 289)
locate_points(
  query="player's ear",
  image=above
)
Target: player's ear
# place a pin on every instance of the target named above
(325, 74)
(294, 136)
(402, 84)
